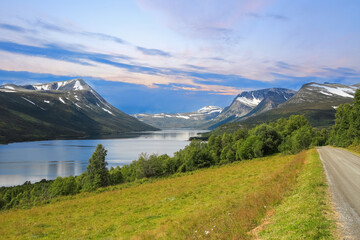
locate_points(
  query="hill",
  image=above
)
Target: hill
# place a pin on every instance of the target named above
(60, 110)
(217, 203)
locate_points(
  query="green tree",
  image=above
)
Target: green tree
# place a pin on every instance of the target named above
(97, 173)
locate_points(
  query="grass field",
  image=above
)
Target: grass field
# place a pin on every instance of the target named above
(306, 213)
(217, 203)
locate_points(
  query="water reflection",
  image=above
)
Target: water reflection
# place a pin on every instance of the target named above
(33, 161)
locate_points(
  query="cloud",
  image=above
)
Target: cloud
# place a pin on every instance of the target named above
(269, 16)
(56, 52)
(348, 72)
(53, 27)
(153, 52)
(284, 65)
(194, 67)
(14, 28)
(212, 19)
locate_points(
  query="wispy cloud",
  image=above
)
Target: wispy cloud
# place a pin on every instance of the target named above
(12, 27)
(153, 52)
(269, 16)
(213, 19)
(284, 65)
(349, 72)
(53, 27)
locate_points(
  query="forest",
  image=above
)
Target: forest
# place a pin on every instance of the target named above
(285, 136)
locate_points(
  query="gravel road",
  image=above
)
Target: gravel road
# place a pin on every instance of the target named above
(343, 173)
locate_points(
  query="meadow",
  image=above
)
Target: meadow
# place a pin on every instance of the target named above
(224, 202)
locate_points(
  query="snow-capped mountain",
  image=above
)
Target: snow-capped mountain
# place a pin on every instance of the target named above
(62, 110)
(251, 103)
(324, 93)
(314, 100)
(181, 120)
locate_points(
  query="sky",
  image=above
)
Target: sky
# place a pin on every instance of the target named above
(180, 55)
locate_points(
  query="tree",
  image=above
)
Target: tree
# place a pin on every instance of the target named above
(97, 173)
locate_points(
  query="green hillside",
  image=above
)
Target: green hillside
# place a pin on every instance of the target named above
(218, 203)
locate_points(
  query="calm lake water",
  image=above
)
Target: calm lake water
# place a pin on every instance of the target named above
(33, 161)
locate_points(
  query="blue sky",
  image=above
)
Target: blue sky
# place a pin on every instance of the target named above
(179, 55)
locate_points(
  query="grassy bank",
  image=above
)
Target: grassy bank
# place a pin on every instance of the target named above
(223, 202)
(306, 212)
(354, 149)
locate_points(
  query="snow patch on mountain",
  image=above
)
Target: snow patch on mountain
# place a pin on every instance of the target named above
(9, 87)
(29, 101)
(251, 102)
(78, 86)
(108, 111)
(61, 100)
(347, 92)
(210, 109)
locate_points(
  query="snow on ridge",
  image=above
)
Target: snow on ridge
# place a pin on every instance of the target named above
(210, 109)
(9, 87)
(61, 100)
(78, 86)
(8, 91)
(46, 101)
(184, 117)
(340, 91)
(252, 102)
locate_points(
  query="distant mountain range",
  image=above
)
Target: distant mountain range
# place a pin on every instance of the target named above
(251, 103)
(316, 101)
(60, 110)
(181, 120)
(246, 104)
(72, 109)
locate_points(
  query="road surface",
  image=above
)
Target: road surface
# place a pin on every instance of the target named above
(343, 173)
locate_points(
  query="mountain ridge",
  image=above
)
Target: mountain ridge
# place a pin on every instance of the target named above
(63, 109)
(251, 103)
(181, 120)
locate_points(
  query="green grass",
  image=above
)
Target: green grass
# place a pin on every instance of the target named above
(306, 213)
(227, 201)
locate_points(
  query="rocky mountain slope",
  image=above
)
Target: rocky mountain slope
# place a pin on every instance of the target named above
(314, 100)
(57, 110)
(181, 120)
(252, 103)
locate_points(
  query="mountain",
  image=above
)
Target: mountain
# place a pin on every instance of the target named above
(60, 110)
(181, 120)
(252, 103)
(316, 101)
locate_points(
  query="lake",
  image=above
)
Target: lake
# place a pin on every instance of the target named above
(33, 161)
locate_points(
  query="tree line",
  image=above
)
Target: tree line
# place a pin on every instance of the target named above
(286, 135)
